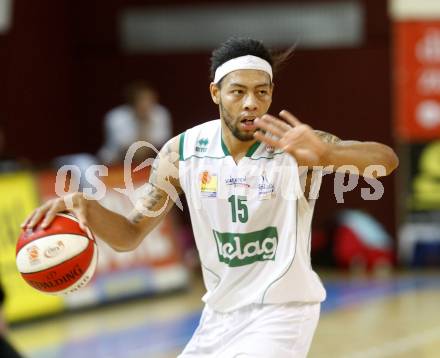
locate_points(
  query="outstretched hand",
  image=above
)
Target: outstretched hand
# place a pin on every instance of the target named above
(293, 137)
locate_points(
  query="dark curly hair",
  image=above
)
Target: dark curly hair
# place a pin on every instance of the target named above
(240, 46)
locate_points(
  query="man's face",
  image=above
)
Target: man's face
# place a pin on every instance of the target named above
(243, 96)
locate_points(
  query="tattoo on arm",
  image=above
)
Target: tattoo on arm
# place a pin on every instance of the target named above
(152, 179)
(153, 195)
(164, 159)
(327, 137)
(162, 185)
(136, 217)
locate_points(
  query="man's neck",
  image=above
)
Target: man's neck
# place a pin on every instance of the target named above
(237, 148)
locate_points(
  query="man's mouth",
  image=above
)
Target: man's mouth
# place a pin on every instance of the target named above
(248, 123)
(248, 119)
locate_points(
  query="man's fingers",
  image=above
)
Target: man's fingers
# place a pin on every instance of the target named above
(296, 133)
(57, 207)
(70, 201)
(266, 139)
(80, 214)
(25, 223)
(290, 118)
(282, 125)
(38, 215)
(269, 127)
(48, 211)
(76, 203)
(50, 215)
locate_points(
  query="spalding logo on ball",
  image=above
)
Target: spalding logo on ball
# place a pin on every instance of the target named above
(59, 259)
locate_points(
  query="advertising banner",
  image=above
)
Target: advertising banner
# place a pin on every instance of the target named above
(417, 79)
(419, 239)
(416, 75)
(18, 199)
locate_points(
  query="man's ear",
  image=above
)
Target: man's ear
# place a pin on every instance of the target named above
(215, 92)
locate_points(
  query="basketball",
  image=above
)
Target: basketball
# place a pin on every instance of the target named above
(59, 259)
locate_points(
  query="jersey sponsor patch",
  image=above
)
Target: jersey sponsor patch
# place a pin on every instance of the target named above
(237, 181)
(266, 189)
(238, 249)
(208, 184)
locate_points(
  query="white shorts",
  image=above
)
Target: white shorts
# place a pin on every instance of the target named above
(266, 331)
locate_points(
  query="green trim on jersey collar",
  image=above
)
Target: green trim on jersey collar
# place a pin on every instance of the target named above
(249, 152)
(181, 143)
(252, 149)
(224, 147)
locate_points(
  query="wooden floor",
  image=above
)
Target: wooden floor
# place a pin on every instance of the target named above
(397, 316)
(405, 326)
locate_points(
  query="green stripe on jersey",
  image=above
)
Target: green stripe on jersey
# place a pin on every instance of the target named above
(181, 143)
(252, 149)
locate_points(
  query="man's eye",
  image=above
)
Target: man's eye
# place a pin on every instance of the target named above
(263, 92)
(237, 91)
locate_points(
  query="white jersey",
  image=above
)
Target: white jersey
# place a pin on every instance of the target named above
(251, 222)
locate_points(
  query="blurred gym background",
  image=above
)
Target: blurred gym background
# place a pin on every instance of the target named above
(81, 80)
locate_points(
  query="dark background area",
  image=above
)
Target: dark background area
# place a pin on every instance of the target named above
(62, 68)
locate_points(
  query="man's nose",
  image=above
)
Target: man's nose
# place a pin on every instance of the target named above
(250, 103)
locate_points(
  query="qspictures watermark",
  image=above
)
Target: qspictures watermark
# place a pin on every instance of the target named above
(289, 186)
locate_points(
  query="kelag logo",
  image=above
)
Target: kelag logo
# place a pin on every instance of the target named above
(243, 249)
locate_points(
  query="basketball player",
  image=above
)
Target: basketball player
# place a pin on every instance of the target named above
(250, 217)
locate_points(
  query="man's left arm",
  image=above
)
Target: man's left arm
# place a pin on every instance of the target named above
(315, 148)
(356, 153)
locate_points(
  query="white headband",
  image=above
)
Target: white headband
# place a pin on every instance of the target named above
(248, 62)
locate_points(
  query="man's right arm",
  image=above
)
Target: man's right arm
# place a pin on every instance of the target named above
(123, 233)
(162, 190)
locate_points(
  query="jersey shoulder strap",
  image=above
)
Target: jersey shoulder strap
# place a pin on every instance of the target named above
(201, 141)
